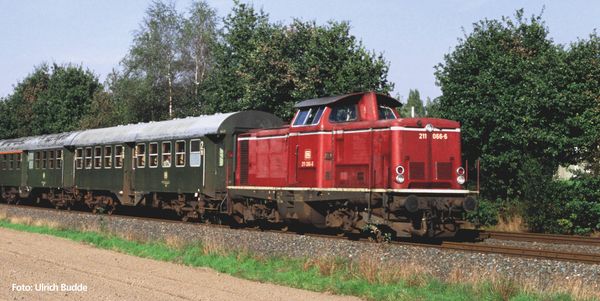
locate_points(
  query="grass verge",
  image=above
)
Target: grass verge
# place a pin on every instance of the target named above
(365, 277)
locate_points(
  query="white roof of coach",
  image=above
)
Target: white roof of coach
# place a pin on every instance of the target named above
(163, 130)
(37, 142)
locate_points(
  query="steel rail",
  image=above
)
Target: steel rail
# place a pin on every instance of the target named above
(538, 237)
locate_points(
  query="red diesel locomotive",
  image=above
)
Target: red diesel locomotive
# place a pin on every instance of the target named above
(351, 163)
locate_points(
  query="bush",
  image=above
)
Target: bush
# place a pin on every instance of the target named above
(566, 206)
(486, 213)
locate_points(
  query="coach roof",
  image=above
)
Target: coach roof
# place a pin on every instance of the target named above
(177, 128)
(159, 130)
(37, 142)
(332, 99)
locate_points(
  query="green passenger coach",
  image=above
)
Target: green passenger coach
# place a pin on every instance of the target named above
(177, 164)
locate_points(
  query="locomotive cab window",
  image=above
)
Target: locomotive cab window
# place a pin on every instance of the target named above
(153, 155)
(119, 155)
(196, 149)
(88, 158)
(108, 157)
(140, 155)
(79, 158)
(167, 155)
(343, 113)
(180, 153)
(386, 112)
(308, 116)
(59, 159)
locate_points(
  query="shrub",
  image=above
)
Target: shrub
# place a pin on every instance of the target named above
(566, 206)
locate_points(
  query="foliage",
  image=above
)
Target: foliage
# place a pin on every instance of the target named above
(413, 100)
(567, 206)
(367, 279)
(168, 61)
(519, 102)
(52, 99)
(487, 213)
(583, 64)
(269, 67)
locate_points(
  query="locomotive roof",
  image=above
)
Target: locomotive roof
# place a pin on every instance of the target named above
(332, 99)
(160, 130)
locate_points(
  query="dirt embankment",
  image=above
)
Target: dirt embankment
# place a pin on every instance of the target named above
(40, 267)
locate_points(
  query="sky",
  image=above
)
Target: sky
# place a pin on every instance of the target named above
(412, 35)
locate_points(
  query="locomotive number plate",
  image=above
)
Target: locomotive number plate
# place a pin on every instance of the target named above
(436, 136)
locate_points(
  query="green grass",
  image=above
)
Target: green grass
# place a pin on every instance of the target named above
(331, 275)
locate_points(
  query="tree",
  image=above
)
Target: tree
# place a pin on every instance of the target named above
(583, 65)
(198, 37)
(269, 67)
(49, 100)
(167, 63)
(154, 62)
(414, 101)
(511, 88)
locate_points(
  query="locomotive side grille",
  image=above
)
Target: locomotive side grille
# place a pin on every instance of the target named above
(444, 170)
(417, 170)
(244, 162)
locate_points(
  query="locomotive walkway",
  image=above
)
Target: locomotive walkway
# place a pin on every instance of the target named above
(28, 259)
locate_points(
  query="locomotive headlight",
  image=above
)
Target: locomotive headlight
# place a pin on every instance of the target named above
(400, 169)
(400, 179)
(460, 171)
(460, 180)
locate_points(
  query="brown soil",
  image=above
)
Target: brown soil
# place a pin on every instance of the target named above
(28, 259)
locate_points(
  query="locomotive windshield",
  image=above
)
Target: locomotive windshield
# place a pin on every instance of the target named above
(386, 112)
(343, 113)
(309, 116)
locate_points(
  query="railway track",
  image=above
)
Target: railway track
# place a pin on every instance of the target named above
(538, 237)
(445, 245)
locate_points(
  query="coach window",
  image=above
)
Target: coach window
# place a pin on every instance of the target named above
(195, 153)
(59, 159)
(18, 163)
(88, 158)
(44, 159)
(167, 155)
(221, 156)
(108, 156)
(51, 160)
(11, 161)
(119, 155)
(79, 158)
(153, 154)
(98, 157)
(180, 153)
(38, 164)
(140, 155)
(343, 113)
(3, 162)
